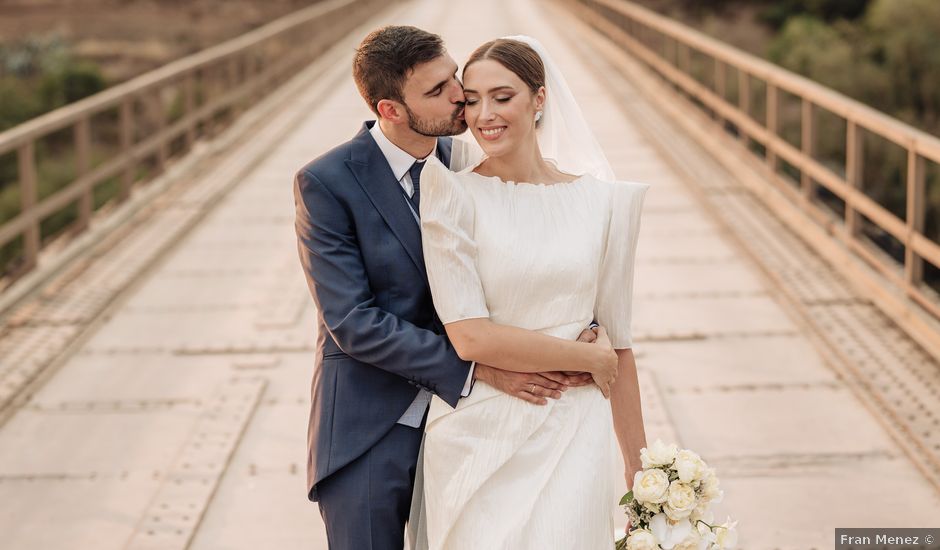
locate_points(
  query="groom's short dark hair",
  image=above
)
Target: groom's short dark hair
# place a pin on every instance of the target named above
(386, 56)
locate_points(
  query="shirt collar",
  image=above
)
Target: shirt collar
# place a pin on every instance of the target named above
(398, 160)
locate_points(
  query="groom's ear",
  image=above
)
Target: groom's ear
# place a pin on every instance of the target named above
(391, 111)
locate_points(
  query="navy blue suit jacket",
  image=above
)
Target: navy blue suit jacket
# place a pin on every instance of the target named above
(378, 337)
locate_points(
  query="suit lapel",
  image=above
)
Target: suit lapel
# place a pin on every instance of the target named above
(371, 170)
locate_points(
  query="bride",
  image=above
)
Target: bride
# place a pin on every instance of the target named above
(523, 249)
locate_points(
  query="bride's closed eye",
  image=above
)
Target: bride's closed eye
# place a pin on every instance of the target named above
(498, 99)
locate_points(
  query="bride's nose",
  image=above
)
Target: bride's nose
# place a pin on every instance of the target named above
(487, 112)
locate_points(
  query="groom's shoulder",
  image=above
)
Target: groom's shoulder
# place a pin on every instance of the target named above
(334, 163)
(331, 164)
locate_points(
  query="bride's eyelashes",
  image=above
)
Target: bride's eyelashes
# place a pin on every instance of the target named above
(474, 101)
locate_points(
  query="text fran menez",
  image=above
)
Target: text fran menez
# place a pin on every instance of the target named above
(879, 539)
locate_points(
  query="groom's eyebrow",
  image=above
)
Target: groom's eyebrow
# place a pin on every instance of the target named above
(491, 90)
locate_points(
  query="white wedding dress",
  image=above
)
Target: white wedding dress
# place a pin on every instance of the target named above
(498, 472)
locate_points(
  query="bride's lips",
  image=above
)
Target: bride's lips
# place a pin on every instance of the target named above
(492, 133)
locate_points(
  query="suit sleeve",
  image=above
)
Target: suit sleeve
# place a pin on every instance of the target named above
(336, 275)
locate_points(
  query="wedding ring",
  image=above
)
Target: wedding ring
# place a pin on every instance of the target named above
(531, 388)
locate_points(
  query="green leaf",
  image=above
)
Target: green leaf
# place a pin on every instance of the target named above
(627, 498)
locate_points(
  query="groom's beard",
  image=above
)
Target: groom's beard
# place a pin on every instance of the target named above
(436, 128)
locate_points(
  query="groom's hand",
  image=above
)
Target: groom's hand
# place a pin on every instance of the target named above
(587, 335)
(570, 378)
(531, 387)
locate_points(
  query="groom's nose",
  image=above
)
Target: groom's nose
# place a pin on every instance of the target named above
(456, 94)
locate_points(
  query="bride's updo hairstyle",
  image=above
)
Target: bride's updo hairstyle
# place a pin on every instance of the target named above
(516, 56)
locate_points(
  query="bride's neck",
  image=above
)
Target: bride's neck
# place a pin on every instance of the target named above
(523, 164)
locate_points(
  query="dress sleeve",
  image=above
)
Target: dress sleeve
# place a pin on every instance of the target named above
(613, 308)
(450, 253)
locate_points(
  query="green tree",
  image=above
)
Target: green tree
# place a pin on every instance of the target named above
(17, 102)
(71, 83)
(837, 56)
(907, 35)
(777, 12)
(39, 74)
(830, 10)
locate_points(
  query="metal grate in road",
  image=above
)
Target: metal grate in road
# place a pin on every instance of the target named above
(174, 513)
(901, 380)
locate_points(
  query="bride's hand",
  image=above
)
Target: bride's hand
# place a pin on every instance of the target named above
(606, 366)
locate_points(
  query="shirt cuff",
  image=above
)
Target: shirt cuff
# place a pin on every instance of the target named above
(469, 383)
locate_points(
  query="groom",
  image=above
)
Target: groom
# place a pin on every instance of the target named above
(381, 350)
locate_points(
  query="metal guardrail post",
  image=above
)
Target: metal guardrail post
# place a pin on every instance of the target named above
(26, 162)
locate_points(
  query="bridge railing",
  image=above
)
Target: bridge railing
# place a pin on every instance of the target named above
(776, 114)
(64, 166)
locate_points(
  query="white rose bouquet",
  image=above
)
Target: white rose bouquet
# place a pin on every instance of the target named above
(668, 505)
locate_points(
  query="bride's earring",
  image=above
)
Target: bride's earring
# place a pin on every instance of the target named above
(538, 116)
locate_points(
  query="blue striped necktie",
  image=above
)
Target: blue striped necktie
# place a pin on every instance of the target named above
(415, 172)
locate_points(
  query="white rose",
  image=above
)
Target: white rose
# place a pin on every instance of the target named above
(689, 466)
(692, 541)
(726, 534)
(658, 454)
(680, 500)
(641, 539)
(710, 490)
(650, 485)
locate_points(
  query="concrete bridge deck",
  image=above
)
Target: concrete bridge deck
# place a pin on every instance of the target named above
(176, 417)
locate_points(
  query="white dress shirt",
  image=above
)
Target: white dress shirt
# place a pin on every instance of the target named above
(400, 162)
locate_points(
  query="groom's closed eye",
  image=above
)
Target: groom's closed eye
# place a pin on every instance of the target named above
(436, 90)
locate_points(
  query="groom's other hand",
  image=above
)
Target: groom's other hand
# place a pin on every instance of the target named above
(531, 387)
